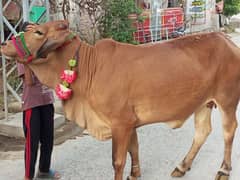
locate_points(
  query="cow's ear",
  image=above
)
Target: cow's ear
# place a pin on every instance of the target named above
(47, 47)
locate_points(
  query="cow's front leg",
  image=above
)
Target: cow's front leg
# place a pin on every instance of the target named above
(120, 141)
(202, 130)
(133, 150)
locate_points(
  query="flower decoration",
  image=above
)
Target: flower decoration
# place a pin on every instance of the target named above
(68, 76)
(63, 92)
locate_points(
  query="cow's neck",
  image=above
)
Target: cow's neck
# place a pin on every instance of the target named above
(49, 74)
(87, 68)
(82, 85)
(48, 71)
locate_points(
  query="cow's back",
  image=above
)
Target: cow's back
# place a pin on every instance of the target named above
(166, 81)
(190, 75)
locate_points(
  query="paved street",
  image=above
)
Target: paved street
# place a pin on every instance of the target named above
(161, 149)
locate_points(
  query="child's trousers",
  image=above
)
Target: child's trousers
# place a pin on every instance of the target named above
(38, 126)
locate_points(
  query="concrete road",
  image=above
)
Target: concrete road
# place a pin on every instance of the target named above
(161, 149)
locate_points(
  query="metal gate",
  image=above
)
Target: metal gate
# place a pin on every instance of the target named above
(25, 8)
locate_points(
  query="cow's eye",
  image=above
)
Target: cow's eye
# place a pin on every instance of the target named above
(38, 32)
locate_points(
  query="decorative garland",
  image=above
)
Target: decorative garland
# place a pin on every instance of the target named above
(68, 76)
(63, 89)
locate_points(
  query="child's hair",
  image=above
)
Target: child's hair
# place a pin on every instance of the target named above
(24, 26)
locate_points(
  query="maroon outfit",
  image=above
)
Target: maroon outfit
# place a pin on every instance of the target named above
(38, 125)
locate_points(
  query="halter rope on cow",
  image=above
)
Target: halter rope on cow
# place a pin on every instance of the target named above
(21, 47)
(24, 53)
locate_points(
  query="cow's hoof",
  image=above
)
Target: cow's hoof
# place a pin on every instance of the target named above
(131, 178)
(222, 176)
(177, 173)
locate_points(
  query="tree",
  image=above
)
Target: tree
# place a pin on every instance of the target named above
(231, 7)
(116, 23)
(94, 11)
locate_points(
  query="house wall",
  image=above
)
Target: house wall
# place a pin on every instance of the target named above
(208, 22)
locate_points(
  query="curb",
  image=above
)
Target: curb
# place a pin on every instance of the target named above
(13, 127)
(15, 107)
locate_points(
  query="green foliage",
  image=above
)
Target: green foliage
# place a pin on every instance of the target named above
(115, 22)
(231, 7)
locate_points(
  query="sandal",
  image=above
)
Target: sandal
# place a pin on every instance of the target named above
(51, 175)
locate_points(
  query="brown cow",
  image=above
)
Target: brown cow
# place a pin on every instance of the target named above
(120, 87)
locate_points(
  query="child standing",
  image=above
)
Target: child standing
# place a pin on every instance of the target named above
(38, 124)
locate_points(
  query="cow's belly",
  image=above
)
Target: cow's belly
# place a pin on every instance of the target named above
(148, 117)
(176, 123)
(170, 104)
(173, 114)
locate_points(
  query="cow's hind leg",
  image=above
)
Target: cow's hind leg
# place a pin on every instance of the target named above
(229, 127)
(133, 150)
(202, 130)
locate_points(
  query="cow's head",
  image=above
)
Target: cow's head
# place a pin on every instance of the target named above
(37, 41)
